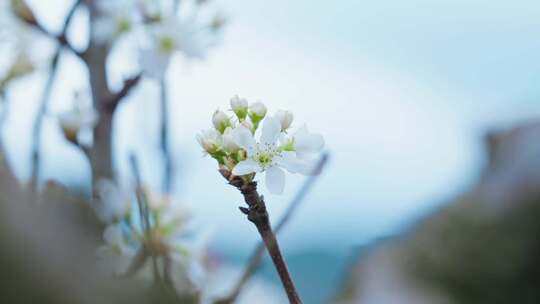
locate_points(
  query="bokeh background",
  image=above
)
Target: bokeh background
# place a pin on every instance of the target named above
(403, 92)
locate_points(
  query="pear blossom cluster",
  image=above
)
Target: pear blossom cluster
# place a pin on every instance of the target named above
(161, 29)
(252, 141)
(126, 243)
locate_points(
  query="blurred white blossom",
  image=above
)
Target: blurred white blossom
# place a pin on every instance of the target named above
(169, 33)
(116, 17)
(16, 41)
(169, 238)
(82, 116)
(116, 254)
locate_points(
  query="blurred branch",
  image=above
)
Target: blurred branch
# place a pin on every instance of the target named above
(60, 38)
(36, 131)
(164, 137)
(144, 214)
(129, 84)
(95, 58)
(257, 255)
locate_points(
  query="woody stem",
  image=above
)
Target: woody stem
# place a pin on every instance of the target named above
(258, 215)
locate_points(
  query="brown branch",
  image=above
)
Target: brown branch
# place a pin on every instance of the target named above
(258, 215)
(257, 254)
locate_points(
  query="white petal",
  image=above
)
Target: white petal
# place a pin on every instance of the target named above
(289, 161)
(308, 165)
(306, 142)
(275, 180)
(294, 164)
(246, 167)
(270, 131)
(243, 138)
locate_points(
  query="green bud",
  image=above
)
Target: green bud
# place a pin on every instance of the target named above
(221, 121)
(239, 107)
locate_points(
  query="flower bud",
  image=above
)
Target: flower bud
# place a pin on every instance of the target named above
(70, 132)
(229, 145)
(221, 121)
(239, 107)
(78, 118)
(210, 140)
(257, 112)
(21, 9)
(285, 118)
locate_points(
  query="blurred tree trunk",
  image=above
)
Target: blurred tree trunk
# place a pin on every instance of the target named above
(101, 152)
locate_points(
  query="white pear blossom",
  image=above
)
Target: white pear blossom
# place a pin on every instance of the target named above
(16, 40)
(81, 116)
(269, 156)
(306, 144)
(285, 118)
(232, 143)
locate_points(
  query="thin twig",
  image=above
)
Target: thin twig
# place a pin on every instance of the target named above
(144, 215)
(38, 123)
(164, 138)
(70, 15)
(60, 38)
(129, 84)
(257, 254)
(36, 132)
